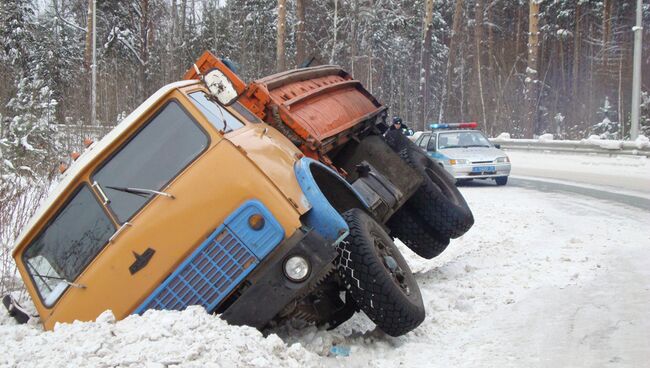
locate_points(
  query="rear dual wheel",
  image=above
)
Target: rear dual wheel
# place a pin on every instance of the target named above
(416, 234)
(437, 202)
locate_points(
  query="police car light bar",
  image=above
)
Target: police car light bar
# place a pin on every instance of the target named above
(472, 125)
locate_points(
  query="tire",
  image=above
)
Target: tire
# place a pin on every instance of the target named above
(417, 235)
(463, 181)
(387, 293)
(501, 180)
(438, 200)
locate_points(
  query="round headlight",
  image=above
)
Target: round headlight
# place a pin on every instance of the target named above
(296, 268)
(256, 221)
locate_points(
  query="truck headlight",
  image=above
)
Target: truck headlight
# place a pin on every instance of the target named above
(256, 221)
(502, 159)
(458, 161)
(296, 268)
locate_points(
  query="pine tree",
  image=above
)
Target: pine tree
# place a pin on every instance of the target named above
(27, 142)
(606, 129)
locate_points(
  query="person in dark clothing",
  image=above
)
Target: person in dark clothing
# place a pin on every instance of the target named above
(397, 123)
(395, 136)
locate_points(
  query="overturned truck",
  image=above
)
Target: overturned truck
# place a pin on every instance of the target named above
(262, 202)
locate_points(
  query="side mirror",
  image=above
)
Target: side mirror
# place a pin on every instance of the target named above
(496, 145)
(221, 87)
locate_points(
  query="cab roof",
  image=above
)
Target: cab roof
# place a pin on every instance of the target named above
(77, 167)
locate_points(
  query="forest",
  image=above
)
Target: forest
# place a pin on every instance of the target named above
(524, 67)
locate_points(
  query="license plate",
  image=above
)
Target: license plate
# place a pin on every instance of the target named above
(482, 169)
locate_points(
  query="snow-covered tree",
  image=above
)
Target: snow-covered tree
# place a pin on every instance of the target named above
(27, 141)
(644, 118)
(606, 129)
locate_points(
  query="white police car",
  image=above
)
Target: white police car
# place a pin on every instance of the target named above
(465, 152)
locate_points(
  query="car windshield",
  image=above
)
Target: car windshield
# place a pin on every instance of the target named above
(66, 246)
(151, 159)
(462, 139)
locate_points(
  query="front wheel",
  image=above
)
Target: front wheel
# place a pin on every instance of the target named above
(378, 277)
(501, 180)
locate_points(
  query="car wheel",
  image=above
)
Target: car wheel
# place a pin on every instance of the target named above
(501, 180)
(416, 234)
(378, 277)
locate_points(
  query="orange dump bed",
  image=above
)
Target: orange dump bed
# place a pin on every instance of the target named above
(318, 108)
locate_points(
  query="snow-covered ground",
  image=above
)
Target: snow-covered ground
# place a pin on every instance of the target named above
(541, 280)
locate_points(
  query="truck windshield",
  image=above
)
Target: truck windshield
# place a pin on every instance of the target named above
(151, 159)
(67, 245)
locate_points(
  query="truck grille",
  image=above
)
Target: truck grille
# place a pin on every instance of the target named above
(207, 276)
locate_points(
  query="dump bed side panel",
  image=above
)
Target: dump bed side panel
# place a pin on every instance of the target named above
(318, 104)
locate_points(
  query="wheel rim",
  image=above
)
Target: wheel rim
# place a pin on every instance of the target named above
(397, 274)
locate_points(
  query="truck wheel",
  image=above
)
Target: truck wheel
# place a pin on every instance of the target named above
(377, 276)
(437, 200)
(417, 235)
(501, 180)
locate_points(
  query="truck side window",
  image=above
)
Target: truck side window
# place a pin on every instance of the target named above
(219, 117)
(246, 113)
(152, 158)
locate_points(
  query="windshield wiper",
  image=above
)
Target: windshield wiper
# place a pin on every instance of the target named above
(141, 192)
(70, 283)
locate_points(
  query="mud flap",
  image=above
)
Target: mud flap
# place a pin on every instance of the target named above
(15, 310)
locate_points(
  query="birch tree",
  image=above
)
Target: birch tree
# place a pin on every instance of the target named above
(301, 41)
(532, 74)
(425, 62)
(279, 49)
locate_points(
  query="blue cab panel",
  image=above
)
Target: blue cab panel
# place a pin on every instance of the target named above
(322, 217)
(220, 263)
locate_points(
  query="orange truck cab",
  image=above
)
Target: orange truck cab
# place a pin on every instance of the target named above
(237, 198)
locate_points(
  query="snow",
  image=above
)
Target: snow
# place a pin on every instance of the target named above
(545, 137)
(642, 141)
(604, 143)
(629, 173)
(156, 339)
(540, 280)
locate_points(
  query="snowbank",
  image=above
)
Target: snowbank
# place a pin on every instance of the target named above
(191, 338)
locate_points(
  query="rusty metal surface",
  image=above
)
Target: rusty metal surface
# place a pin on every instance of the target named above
(317, 103)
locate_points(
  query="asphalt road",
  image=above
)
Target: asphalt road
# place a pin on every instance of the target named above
(601, 194)
(543, 185)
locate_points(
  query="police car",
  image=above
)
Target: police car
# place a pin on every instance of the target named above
(465, 152)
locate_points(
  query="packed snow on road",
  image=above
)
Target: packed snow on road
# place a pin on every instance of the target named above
(542, 279)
